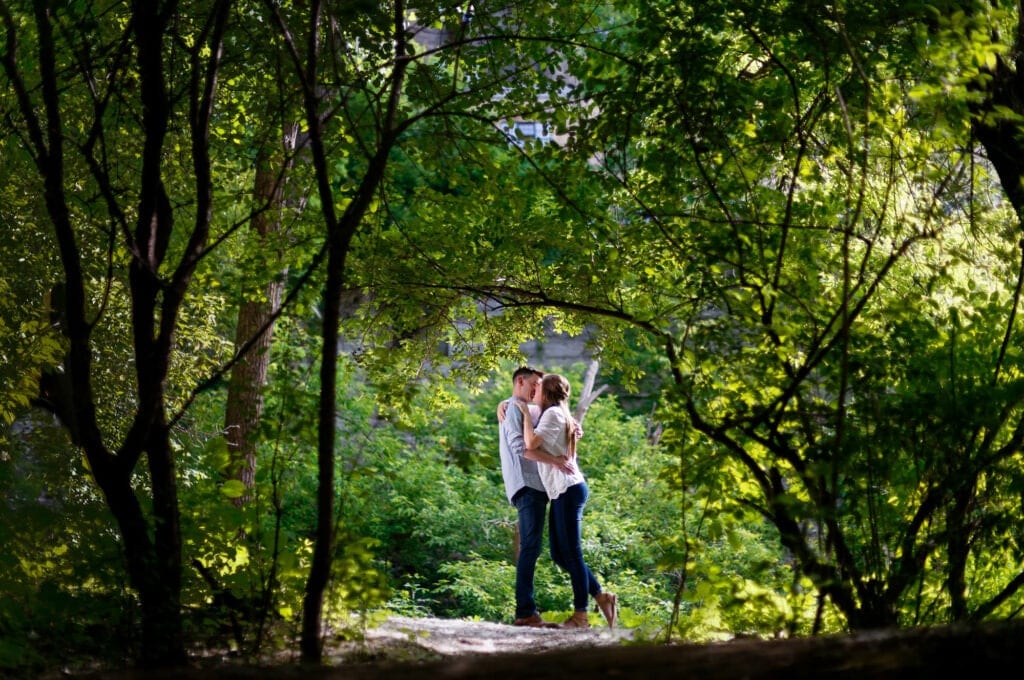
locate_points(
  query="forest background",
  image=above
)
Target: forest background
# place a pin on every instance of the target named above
(267, 266)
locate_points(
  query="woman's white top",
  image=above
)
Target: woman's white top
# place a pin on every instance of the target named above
(555, 440)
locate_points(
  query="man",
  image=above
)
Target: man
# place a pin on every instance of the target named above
(524, 489)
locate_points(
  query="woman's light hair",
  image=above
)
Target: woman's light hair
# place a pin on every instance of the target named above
(555, 392)
(555, 388)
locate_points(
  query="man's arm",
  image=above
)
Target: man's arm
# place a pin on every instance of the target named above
(513, 426)
(542, 456)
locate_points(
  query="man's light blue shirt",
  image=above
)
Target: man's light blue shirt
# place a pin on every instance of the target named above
(516, 470)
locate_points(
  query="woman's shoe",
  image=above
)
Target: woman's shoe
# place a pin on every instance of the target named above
(607, 602)
(577, 620)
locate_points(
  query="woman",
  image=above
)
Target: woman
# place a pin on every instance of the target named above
(555, 436)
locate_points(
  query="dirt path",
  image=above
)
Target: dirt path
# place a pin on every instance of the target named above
(402, 639)
(433, 649)
(482, 651)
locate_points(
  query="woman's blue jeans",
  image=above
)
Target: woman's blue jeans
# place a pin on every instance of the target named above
(566, 532)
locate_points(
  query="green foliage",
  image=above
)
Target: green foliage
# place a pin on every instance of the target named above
(482, 588)
(60, 572)
(782, 211)
(358, 586)
(426, 529)
(455, 572)
(29, 338)
(771, 219)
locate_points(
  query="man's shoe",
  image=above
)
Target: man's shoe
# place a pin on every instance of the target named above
(534, 621)
(607, 602)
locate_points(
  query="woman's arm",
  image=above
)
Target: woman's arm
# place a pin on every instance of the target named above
(535, 445)
(529, 436)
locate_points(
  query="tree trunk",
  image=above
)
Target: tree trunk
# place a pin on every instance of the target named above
(154, 568)
(319, 573)
(587, 392)
(339, 238)
(245, 389)
(255, 328)
(958, 550)
(998, 133)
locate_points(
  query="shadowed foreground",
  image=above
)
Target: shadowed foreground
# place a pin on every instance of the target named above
(970, 652)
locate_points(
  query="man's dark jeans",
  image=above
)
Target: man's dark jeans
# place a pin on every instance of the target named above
(532, 507)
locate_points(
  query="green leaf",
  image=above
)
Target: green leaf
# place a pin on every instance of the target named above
(233, 488)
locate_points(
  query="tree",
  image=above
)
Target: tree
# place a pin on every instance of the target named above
(126, 159)
(109, 196)
(394, 96)
(769, 194)
(275, 157)
(756, 192)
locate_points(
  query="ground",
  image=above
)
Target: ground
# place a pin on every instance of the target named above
(467, 650)
(407, 639)
(408, 649)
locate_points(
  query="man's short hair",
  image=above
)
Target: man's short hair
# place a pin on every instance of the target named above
(525, 372)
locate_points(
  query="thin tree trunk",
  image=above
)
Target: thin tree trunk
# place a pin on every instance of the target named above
(340, 231)
(588, 394)
(319, 573)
